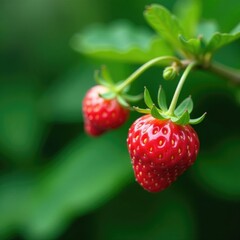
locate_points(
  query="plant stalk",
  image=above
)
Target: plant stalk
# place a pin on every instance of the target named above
(143, 68)
(224, 71)
(179, 88)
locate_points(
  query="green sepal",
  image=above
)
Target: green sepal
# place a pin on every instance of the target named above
(108, 95)
(122, 101)
(183, 119)
(142, 110)
(162, 101)
(99, 79)
(147, 98)
(103, 77)
(125, 89)
(132, 98)
(197, 120)
(106, 75)
(185, 105)
(155, 113)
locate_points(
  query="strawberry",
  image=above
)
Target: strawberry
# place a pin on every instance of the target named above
(91, 130)
(160, 151)
(100, 114)
(161, 143)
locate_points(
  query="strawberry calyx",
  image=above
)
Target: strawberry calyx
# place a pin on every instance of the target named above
(104, 78)
(180, 116)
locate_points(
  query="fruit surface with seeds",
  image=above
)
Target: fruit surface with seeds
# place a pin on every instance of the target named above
(101, 115)
(160, 151)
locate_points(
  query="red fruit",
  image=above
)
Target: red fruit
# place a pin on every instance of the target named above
(91, 130)
(101, 114)
(160, 151)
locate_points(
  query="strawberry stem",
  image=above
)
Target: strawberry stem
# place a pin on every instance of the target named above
(225, 71)
(143, 68)
(173, 104)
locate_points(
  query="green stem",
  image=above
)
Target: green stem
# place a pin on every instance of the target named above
(143, 68)
(227, 72)
(179, 88)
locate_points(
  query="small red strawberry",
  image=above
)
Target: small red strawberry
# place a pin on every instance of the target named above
(102, 114)
(162, 145)
(91, 130)
(160, 151)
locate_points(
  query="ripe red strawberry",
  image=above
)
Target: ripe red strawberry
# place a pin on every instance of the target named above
(101, 115)
(160, 151)
(91, 130)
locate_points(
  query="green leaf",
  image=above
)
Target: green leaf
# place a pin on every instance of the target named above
(217, 171)
(162, 101)
(192, 46)
(166, 216)
(166, 24)
(219, 40)
(80, 179)
(147, 98)
(21, 125)
(15, 191)
(185, 105)
(62, 101)
(197, 120)
(155, 113)
(206, 29)
(188, 13)
(121, 41)
(183, 119)
(236, 30)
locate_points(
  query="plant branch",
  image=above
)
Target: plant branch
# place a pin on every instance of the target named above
(224, 71)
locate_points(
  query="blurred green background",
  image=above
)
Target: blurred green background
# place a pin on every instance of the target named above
(58, 183)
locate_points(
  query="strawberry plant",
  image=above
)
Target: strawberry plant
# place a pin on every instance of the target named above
(163, 110)
(162, 144)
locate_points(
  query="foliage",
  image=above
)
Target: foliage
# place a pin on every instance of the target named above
(55, 181)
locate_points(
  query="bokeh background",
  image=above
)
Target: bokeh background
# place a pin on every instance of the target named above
(58, 183)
